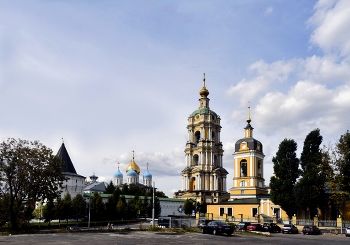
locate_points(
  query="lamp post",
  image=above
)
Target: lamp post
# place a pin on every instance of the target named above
(89, 209)
(153, 206)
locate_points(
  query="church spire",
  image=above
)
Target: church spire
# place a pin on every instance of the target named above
(204, 91)
(248, 130)
(248, 119)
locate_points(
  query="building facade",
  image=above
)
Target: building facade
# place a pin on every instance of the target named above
(74, 183)
(204, 177)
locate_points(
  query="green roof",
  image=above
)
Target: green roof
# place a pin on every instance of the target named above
(203, 111)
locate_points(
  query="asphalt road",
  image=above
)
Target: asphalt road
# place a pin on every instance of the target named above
(147, 238)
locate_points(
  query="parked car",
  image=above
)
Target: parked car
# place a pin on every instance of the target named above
(288, 228)
(217, 227)
(242, 226)
(202, 222)
(254, 227)
(271, 227)
(311, 229)
(347, 231)
(72, 228)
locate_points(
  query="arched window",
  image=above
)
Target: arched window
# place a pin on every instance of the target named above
(197, 136)
(213, 136)
(244, 168)
(259, 168)
(215, 163)
(195, 160)
(243, 183)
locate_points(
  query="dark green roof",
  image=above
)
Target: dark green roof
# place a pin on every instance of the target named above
(203, 111)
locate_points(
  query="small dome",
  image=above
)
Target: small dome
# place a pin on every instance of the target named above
(204, 92)
(147, 174)
(131, 172)
(118, 174)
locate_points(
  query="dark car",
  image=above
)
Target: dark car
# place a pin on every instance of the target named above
(217, 227)
(203, 222)
(254, 227)
(271, 227)
(242, 226)
(288, 228)
(311, 229)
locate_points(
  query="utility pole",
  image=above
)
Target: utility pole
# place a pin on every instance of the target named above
(89, 209)
(153, 206)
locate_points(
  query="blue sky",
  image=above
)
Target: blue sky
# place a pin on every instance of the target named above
(111, 77)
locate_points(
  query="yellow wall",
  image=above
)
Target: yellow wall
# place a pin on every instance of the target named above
(245, 211)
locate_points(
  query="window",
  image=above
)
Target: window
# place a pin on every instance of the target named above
(244, 168)
(276, 212)
(195, 160)
(242, 192)
(229, 211)
(197, 136)
(243, 183)
(254, 211)
(259, 168)
(215, 160)
(222, 211)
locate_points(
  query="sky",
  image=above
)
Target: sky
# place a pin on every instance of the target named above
(112, 77)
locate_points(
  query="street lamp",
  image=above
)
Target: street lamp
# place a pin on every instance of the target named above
(89, 209)
(153, 206)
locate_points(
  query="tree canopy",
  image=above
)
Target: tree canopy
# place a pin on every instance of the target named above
(29, 173)
(286, 172)
(311, 188)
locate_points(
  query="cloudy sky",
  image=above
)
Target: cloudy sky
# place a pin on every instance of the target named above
(110, 77)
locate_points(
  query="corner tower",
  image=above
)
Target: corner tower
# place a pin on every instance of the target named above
(248, 166)
(203, 178)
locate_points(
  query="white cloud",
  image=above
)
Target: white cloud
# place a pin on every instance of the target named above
(268, 10)
(332, 23)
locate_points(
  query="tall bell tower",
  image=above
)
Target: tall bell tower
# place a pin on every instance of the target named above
(203, 178)
(248, 166)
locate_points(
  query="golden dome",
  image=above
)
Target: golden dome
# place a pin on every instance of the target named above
(204, 91)
(133, 165)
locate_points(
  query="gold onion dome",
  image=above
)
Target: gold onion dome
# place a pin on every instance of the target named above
(133, 165)
(204, 91)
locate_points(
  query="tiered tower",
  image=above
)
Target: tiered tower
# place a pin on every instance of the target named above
(204, 178)
(248, 166)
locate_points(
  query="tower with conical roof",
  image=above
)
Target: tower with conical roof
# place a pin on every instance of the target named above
(204, 176)
(248, 166)
(74, 183)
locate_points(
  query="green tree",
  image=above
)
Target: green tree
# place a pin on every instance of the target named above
(340, 185)
(343, 161)
(111, 204)
(286, 172)
(311, 188)
(121, 207)
(110, 188)
(160, 194)
(49, 211)
(59, 210)
(67, 207)
(97, 207)
(30, 173)
(188, 206)
(79, 207)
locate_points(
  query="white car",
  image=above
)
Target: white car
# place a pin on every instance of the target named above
(347, 231)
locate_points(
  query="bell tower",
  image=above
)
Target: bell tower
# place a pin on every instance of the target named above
(203, 178)
(248, 166)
